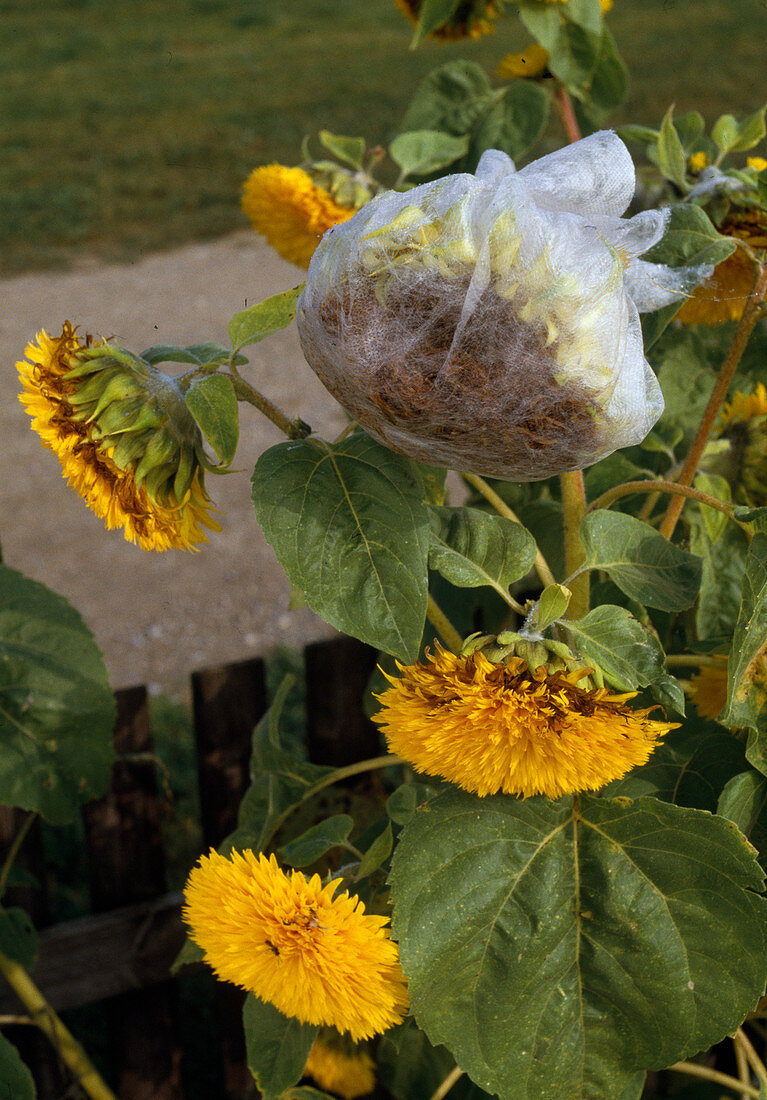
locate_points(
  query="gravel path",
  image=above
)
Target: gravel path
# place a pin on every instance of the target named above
(158, 616)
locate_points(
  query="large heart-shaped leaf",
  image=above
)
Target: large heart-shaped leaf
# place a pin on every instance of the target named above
(559, 948)
(57, 710)
(642, 563)
(350, 528)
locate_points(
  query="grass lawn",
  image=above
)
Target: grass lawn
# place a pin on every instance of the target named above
(129, 125)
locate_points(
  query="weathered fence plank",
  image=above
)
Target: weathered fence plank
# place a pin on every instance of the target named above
(127, 864)
(228, 703)
(337, 729)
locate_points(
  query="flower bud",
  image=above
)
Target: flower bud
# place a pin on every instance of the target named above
(490, 323)
(124, 436)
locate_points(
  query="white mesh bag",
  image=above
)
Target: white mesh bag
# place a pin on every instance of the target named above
(490, 323)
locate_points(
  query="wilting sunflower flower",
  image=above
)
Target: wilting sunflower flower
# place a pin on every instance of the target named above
(724, 295)
(471, 18)
(292, 210)
(124, 437)
(739, 451)
(490, 322)
(503, 727)
(341, 1067)
(319, 958)
(708, 690)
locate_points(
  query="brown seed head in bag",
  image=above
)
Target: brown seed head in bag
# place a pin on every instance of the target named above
(469, 387)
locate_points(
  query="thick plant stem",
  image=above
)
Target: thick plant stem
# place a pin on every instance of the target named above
(751, 315)
(455, 1075)
(694, 1070)
(630, 487)
(757, 1065)
(540, 565)
(41, 1013)
(574, 508)
(443, 626)
(694, 660)
(567, 114)
(293, 429)
(741, 1061)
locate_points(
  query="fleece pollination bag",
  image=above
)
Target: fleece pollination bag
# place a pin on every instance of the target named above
(490, 322)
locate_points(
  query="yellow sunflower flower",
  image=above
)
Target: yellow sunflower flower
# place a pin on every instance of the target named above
(348, 1073)
(708, 690)
(494, 728)
(756, 162)
(530, 63)
(125, 440)
(286, 207)
(697, 162)
(319, 958)
(471, 19)
(723, 297)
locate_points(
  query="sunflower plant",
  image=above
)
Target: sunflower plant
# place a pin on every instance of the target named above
(558, 887)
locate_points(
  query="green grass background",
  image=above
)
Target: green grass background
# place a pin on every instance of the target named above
(129, 125)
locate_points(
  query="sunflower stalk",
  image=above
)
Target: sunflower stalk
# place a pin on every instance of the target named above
(293, 429)
(442, 625)
(628, 488)
(574, 508)
(751, 315)
(41, 1013)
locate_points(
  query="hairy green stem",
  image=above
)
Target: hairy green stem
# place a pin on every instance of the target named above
(293, 429)
(694, 1070)
(630, 487)
(574, 509)
(13, 851)
(369, 765)
(443, 626)
(757, 1065)
(541, 566)
(67, 1047)
(694, 660)
(444, 1088)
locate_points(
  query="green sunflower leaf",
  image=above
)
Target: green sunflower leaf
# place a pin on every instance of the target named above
(629, 656)
(747, 685)
(643, 564)
(316, 841)
(15, 1078)
(421, 152)
(411, 1068)
(278, 781)
(277, 1047)
(450, 98)
(689, 768)
(744, 801)
(671, 158)
(57, 710)
(347, 149)
(559, 949)
(471, 548)
(213, 404)
(251, 325)
(18, 938)
(349, 526)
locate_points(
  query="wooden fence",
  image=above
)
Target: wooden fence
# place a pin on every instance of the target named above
(120, 955)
